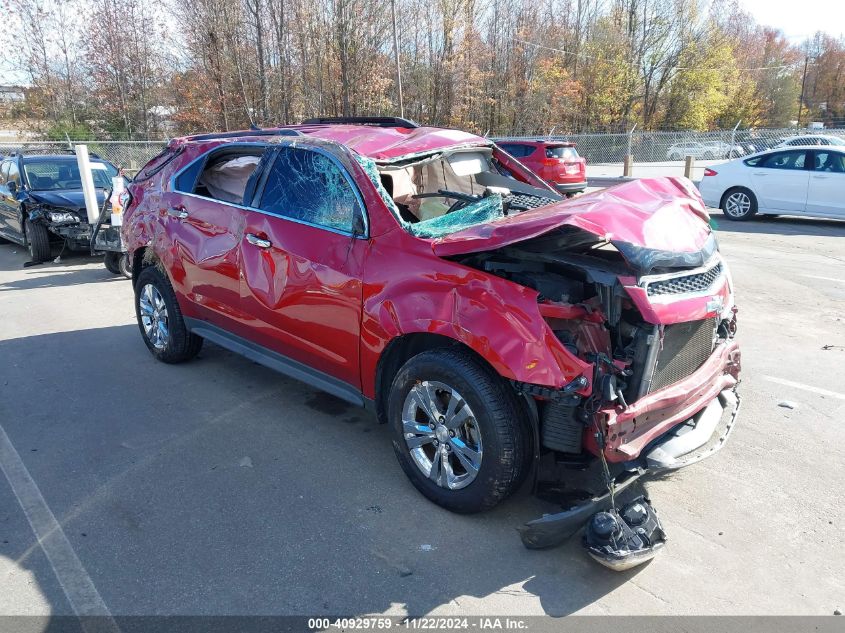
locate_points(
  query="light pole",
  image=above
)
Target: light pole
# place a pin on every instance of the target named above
(396, 58)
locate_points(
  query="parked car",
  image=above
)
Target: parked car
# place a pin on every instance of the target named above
(708, 150)
(811, 139)
(806, 180)
(556, 162)
(427, 274)
(41, 203)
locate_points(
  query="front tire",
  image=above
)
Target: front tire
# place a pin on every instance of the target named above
(459, 432)
(160, 319)
(739, 204)
(39, 241)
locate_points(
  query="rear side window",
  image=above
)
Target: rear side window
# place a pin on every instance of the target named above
(566, 153)
(518, 150)
(309, 187)
(224, 174)
(4, 172)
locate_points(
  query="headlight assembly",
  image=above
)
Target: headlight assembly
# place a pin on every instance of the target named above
(62, 217)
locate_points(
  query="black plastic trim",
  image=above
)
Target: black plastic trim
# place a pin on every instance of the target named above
(277, 362)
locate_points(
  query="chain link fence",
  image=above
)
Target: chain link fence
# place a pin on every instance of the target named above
(654, 153)
(128, 155)
(663, 153)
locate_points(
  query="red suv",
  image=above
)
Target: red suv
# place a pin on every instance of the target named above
(426, 274)
(555, 162)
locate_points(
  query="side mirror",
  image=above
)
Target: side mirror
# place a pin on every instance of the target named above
(12, 186)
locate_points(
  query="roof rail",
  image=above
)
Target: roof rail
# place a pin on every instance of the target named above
(257, 132)
(48, 151)
(376, 121)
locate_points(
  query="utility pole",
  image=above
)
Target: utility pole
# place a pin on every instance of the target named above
(803, 83)
(396, 57)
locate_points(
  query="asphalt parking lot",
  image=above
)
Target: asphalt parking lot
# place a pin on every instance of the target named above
(219, 487)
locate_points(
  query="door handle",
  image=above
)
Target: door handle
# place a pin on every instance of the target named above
(258, 241)
(760, 173)
(177, 212)
(820, 177)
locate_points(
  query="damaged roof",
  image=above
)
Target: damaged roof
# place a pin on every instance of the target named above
(378, 143)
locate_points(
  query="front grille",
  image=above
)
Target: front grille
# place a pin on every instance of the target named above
(685, 348)
(699, 282)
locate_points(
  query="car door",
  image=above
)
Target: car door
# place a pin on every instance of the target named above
(4, 195)
(826, 194)
(780, 181)
(10, 208)
(204, 219)
(302, 262)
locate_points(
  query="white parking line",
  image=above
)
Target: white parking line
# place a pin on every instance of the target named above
(811, 388)
(83, 596)
(824, 278)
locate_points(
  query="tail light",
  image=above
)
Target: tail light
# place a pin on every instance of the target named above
(710, 172)
(551, 162)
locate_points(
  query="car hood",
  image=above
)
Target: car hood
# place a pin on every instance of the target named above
(651, 221)
(66, 199)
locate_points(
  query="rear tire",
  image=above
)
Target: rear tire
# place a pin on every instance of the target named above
(480, 442)
(739, 204)
(118, 264)
(39, 241)
(160, 319)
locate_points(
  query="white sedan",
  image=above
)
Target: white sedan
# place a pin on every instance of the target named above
(807, 181)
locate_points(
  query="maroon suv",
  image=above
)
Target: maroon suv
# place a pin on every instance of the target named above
(556, 162)
(426, 274)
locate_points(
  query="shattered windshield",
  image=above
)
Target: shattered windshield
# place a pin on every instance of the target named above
(56, 175)
(443, 193)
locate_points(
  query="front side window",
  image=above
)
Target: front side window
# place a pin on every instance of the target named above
(784, 160)
(833, 162)
(310, 187)
(13, 174)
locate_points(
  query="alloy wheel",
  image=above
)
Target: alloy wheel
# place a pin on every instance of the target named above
(738, 204)
(154, 316)
(442, 434)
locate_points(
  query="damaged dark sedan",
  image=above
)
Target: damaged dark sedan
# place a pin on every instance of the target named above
(41, 203)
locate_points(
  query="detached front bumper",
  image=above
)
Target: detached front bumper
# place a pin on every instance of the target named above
(700, 436)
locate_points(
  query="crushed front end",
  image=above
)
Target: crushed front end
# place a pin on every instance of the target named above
(630, 281)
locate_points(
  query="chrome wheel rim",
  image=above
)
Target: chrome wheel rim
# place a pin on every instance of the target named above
(442, 434)
(154, 316)
(738, 204)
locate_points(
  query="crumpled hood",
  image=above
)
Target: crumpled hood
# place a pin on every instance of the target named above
(647, 220)
(67, 199)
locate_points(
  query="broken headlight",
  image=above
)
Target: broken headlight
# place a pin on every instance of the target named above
(62, 217)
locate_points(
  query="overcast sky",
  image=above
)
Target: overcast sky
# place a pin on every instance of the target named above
(799, 20)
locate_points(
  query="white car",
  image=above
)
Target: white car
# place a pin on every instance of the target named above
(811, 139)
(808, 180)
(708, 150)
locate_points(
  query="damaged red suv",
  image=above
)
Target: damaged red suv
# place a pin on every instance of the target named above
(426, 274)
